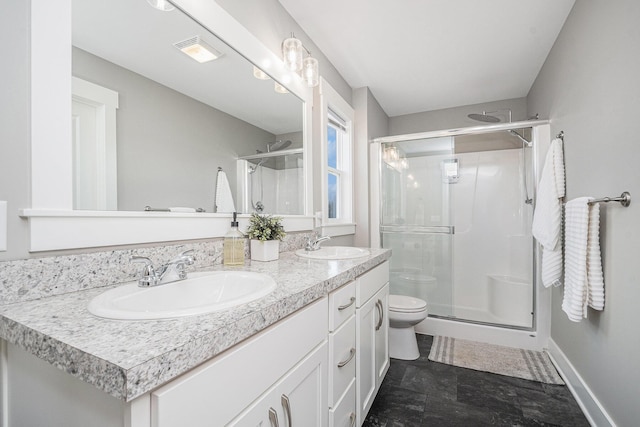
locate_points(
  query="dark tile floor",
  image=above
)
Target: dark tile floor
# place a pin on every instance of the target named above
(421, 393)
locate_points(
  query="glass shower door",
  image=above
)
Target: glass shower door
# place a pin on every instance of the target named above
(416, 219)
(456, 211)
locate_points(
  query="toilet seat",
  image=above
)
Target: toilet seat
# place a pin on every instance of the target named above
(406, 304)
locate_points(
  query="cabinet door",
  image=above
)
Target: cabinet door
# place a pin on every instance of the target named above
(367, 317)
(382, 335)
(299, 399)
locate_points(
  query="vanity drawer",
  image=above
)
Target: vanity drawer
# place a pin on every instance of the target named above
(371, 282)
(344, 412)
(342, 359)
(341, 305)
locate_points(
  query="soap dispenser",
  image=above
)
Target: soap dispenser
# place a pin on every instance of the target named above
(233, 246)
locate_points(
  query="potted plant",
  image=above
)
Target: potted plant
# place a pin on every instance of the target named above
(265, 232)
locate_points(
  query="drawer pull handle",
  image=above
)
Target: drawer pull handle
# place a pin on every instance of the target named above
(381, 312)
(286, 404)
(352, 353)
(344, 307)
(352, 419)
(273, 417)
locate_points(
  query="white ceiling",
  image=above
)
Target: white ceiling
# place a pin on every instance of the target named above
(422, 55)
(140, 38)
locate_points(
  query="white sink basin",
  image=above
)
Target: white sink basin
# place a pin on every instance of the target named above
(200, 293)
(334, 252)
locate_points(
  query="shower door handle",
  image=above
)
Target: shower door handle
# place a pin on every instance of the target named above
(418, 229)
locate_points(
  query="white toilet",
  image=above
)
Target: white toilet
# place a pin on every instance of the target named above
(404, 313)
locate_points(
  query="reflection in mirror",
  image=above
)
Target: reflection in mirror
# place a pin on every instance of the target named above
(176, 120)
(279, 170)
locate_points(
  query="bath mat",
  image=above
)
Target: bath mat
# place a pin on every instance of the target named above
(512, 362)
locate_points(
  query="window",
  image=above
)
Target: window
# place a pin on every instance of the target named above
(337, 166)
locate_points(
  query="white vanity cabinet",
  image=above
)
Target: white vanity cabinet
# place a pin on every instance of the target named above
(320, 366)
(281, 371)
(342, 356)
(298, 399)
(372, 336)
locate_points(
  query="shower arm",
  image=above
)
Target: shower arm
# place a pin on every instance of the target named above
(520, 137)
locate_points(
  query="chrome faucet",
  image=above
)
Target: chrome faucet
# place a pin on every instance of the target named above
(172, 271)
(313, 243)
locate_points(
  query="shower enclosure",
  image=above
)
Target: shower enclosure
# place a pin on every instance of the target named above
(456, 210)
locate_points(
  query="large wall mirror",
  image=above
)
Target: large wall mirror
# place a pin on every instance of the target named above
(178, 120)
(153, 127)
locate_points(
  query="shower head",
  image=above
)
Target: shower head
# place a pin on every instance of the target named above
(486, 116)
(483, 118)
(254, 168)
(278, 145)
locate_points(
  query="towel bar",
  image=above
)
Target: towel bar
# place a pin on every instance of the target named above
(624, 199)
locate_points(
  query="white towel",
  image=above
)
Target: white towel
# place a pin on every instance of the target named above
(583, 279)
(182, 209)
(595, 278)
(547, 218)
(224, 199)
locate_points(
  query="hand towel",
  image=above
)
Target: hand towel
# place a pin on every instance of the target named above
(583, 280)
(547, 217)
(224, 199)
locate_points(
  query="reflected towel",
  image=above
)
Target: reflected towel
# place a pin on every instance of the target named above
(583, 280)
(182, 209)
(547, 218)
(224, 199)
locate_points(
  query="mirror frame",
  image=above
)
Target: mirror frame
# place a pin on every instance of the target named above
(53, 224)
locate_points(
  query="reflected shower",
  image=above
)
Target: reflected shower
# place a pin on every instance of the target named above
(276, 146)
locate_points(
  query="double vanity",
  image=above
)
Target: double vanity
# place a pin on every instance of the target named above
(310, 351)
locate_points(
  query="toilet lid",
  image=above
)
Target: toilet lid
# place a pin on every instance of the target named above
(406, 304)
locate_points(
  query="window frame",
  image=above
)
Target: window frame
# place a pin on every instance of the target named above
(337, 113)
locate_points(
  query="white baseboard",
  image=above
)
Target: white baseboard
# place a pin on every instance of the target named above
(590, 405)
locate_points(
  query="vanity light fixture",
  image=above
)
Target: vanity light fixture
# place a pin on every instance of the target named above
(162, 5)
(292, 54)
(310, 72)
(259, 74)
(198, 49)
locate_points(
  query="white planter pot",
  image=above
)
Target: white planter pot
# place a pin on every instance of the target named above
(265, 251)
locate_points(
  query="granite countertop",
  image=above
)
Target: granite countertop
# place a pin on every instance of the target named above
(129, 358)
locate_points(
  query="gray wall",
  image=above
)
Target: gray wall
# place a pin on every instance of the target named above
(589, 87)
(451, 118)
(169, 145)
(271, 23)
(371, 122)
(14, 124)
